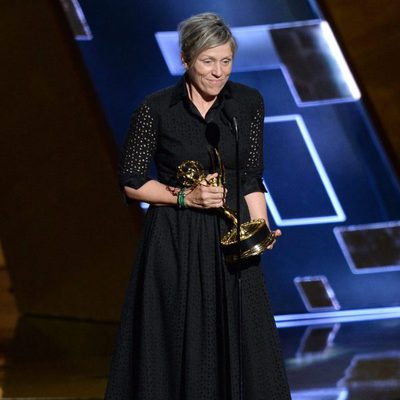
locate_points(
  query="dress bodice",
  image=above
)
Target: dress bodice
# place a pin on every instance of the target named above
(168, 129)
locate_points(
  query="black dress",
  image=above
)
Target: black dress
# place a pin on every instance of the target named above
(177, 338)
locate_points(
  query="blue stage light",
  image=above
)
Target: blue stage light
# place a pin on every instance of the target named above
(320, 394)
(338, 55)
(329, 317)
(340, 215)
(264, 47)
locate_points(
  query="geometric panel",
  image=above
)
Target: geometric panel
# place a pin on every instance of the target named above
(77, 20)
(316, 66)
(316, 340)
(313, 199)
(373, 370)
(370, 248)
(316, 293)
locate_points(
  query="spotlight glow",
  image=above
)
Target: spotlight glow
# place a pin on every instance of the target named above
(338, 55)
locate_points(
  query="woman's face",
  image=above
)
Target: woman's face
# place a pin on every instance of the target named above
(211, 70)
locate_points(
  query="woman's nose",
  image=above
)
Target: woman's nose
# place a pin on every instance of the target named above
(217, 70)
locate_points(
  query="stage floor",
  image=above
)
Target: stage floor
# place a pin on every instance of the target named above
(49, 358)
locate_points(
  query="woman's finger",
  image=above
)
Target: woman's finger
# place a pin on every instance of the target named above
(213, 189)
(210, 176)
(215, 204)
(210, 192)
(271, 246)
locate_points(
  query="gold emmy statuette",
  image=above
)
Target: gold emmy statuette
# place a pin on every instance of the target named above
(255, 235)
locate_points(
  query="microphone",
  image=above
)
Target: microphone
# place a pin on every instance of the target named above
(231, 111)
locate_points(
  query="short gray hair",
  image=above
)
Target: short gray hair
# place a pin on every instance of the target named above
(201, 32)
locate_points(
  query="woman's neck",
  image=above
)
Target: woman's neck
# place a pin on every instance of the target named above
(202, 103)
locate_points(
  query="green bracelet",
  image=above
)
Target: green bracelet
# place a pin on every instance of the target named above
(181, 198)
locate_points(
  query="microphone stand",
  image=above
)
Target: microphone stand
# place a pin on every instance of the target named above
(238, 273)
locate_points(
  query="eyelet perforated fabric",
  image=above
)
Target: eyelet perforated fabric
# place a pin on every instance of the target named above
(255, 162)
(178, 338)
(140, 142)
(138, 148)
(255, 159)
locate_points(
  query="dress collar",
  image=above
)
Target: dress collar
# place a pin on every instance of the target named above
(180, 91)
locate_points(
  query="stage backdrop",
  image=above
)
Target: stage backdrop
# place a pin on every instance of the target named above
(331, 188)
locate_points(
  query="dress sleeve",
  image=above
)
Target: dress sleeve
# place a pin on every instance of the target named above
(137, 150)
(253, 181)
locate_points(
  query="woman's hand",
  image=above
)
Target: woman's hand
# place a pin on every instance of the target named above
(206, 196)
(276, 233)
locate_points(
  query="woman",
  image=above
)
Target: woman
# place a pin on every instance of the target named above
(178, 333)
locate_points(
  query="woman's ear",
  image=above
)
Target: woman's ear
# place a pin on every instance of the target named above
(184, 63)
